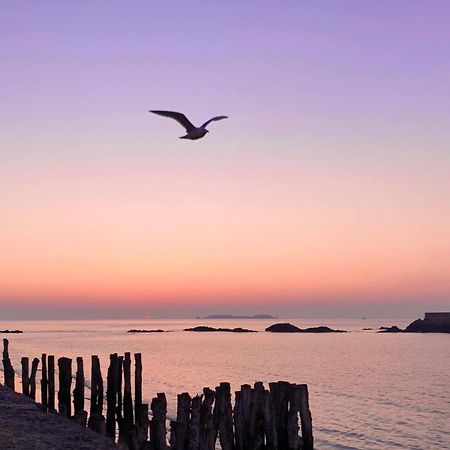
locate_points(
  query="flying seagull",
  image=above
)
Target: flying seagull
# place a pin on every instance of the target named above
(192, 132)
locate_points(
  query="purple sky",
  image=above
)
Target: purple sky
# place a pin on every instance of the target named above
(337, 146)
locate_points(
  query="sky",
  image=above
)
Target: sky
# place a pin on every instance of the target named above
(326, 192)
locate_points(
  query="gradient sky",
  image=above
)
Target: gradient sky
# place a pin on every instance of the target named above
(327, 192)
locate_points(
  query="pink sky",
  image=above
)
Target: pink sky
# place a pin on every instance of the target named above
(328, 184)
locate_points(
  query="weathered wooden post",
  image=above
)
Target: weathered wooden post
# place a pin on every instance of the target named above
(138, 388)
(305, 417)
(127, 398)
(223, 416)
(143, 427)
(269, 421)
(8, 370)
(279, 392)
(179, 436)
(34, 366)
(65, 383)
(111, 395)
(256, 430)
(293, 439)
(78, 392)
(195, 423)
(51, 382)
(242, 417)
(208, 432)
(25, 375)
(158, 423)
(96, 419)
(119, 404)
(44, 381)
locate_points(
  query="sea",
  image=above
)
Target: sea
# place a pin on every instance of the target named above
(368, 390)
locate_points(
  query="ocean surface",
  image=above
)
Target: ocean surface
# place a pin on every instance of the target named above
(367, 390)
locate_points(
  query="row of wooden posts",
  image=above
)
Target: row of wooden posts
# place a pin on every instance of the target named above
(261, 419)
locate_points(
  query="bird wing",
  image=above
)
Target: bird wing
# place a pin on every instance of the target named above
(180, 118)
(213, 119)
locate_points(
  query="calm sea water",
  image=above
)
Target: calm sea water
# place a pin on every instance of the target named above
(367, 390)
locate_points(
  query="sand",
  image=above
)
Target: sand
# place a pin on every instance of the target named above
(24, 426)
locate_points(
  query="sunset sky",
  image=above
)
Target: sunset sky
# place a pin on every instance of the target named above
(326, 192)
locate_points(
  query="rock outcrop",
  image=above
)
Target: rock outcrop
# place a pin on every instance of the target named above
(145, 331)
(289, 328)
(203, 328)
(393, 329)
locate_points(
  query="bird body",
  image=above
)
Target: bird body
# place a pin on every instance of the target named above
(192, 132)
(196, 133)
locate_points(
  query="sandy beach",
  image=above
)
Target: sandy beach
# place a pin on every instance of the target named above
(24, 426)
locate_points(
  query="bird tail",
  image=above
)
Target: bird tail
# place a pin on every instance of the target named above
(184, 137)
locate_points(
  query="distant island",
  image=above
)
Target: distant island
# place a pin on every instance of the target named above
(11, 331)
(230, 316)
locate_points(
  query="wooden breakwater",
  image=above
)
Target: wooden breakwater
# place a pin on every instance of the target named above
(277, 418)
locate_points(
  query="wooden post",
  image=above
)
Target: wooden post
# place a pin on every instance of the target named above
(279, 393)
(127, 398)
(119, 406)
(78, 392)
(305, 417)
(96, 420)
(180, 429)
(8, 370)
(194, 423)
(34, 366)
(223, 416)
(242, 417)
(158, 423)
(293, 438)
(256, 429)
(96, 386)
(51, 382)
(143, 427)
(44, 381)
(208, 432)
(65, 383)
(269, 421)
(111, 395)
(138, 388)
(25, 375)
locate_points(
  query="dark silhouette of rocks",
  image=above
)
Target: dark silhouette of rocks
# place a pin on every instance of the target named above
(432, 323)
(367, 329)
(230, 316)
(11, 331)
(145, 331)
(289, 328)
(322, 330)
(393, 329)
(437, 322)
(204, 328)
(283, 328)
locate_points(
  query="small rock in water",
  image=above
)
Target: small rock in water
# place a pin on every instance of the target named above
(145, 331)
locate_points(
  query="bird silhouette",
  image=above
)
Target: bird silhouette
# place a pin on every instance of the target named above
(192, 132)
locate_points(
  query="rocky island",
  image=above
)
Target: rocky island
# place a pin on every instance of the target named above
(289, 328)
(204, 328)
